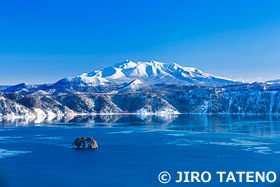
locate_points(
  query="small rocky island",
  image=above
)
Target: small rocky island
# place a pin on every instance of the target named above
(83, 143)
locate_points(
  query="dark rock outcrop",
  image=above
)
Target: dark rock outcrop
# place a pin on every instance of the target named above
(83, 142)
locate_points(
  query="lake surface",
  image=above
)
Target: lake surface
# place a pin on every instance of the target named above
(133, 150)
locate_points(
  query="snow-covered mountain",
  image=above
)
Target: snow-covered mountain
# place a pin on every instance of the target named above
(128, 77)
(148, 72)
(131, 77)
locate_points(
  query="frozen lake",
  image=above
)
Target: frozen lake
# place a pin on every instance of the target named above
(133, 150)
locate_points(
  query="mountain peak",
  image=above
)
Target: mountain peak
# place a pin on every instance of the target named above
(125, 65)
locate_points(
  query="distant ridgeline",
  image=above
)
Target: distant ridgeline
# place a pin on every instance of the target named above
(143, 88)
(241, 100)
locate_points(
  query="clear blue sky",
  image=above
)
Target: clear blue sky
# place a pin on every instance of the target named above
(42, 41)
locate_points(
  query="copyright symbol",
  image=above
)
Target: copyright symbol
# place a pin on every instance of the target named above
(164, 177)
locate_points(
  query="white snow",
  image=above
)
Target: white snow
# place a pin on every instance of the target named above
(117, 75)
(40, 115)
(161, 112)
(40, 92)
(126, 64)
(166, 111)
(50, 115)
(143, 111)
(139, 71)
(95, 80)
(22, 91)
(133, 86)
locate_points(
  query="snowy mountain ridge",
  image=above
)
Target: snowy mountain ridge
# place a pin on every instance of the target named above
(135, 77)
(150, 72)
(236, 100)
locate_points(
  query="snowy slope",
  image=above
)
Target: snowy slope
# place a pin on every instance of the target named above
(87, 79)
(134, 86)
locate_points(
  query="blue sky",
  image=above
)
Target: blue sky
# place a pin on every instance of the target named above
(43, 41)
